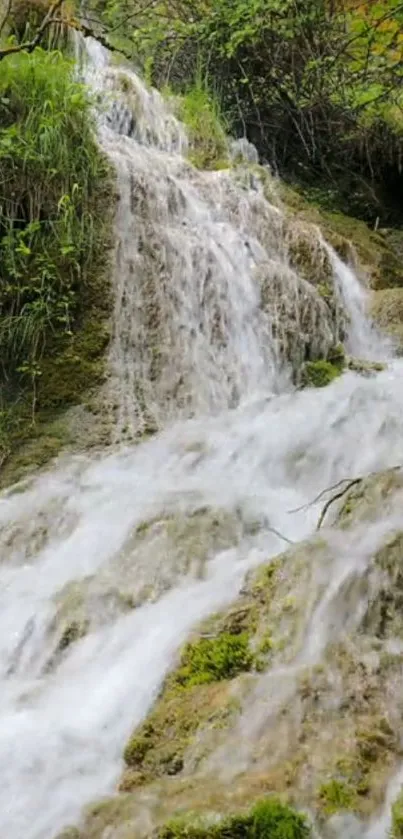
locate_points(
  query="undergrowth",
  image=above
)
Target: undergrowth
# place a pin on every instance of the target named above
(54, 228)
(200, 110)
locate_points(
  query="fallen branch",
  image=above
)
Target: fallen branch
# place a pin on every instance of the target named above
(335, 498)
(280, 535)
(318, 497)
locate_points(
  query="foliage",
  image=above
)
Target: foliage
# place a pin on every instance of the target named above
(316, 85)
(336, 795)
(268, 819)
(397, 818)
(318, 373)
(53, 184)
(212, 659)
(200, 111)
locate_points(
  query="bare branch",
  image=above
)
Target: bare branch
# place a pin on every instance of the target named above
(335, 498)
(30, 46)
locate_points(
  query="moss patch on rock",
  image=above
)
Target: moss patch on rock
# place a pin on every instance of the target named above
(397, 818)
(268, 819)
(387, 312)
(376, 252)
(213, 659)
(335, 795)
(325, 735)
(318, 373)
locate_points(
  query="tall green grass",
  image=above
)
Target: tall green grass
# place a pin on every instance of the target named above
(199, 108)
(53, 194)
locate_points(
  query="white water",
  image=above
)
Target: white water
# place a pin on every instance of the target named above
(254, 448)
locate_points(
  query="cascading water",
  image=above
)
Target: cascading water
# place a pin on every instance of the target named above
(196, 355)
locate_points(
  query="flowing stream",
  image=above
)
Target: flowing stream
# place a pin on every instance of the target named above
(234, 437)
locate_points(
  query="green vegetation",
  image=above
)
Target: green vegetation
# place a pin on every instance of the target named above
(319, 373)
(315, 85)
(268, 819)
(200, 111)
(397, 817)
(336, 795)
(213, 659)
(54, 229)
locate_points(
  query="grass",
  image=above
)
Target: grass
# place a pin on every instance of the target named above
(213, 659)
(336, 795)
(54, 228)
(268, 819)
(200, 111)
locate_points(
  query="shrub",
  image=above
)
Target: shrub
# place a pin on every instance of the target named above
(55, 185)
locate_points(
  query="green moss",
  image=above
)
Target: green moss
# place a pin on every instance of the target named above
(318, 373)
(337, 357)
(336, 795)
(213, 659)
(158, 747)
(269, 819)
(397, 818)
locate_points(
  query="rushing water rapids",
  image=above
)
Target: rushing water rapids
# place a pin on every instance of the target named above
(194, 356)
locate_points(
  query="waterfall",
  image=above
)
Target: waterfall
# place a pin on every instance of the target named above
(104, 544)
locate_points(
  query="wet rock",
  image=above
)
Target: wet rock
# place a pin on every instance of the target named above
(387, 312)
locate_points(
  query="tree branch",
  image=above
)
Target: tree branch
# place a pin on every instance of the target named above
(8, 10)
(335, 498)
(30, 46)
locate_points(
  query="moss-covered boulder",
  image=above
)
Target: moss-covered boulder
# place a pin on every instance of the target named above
(318, 373)
(294, 690)
(376, 254)
(153, 557)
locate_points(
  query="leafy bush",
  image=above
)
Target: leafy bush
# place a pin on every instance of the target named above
(213, 659)
(268, 819)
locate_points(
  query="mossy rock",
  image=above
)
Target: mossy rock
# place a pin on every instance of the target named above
(318, 373)
(384, 615)
(330, 740)
(336, 795)
(370, 497)
(364, 367)
(376, 253)
(387, 312)
(307, 254)
(160, 745)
